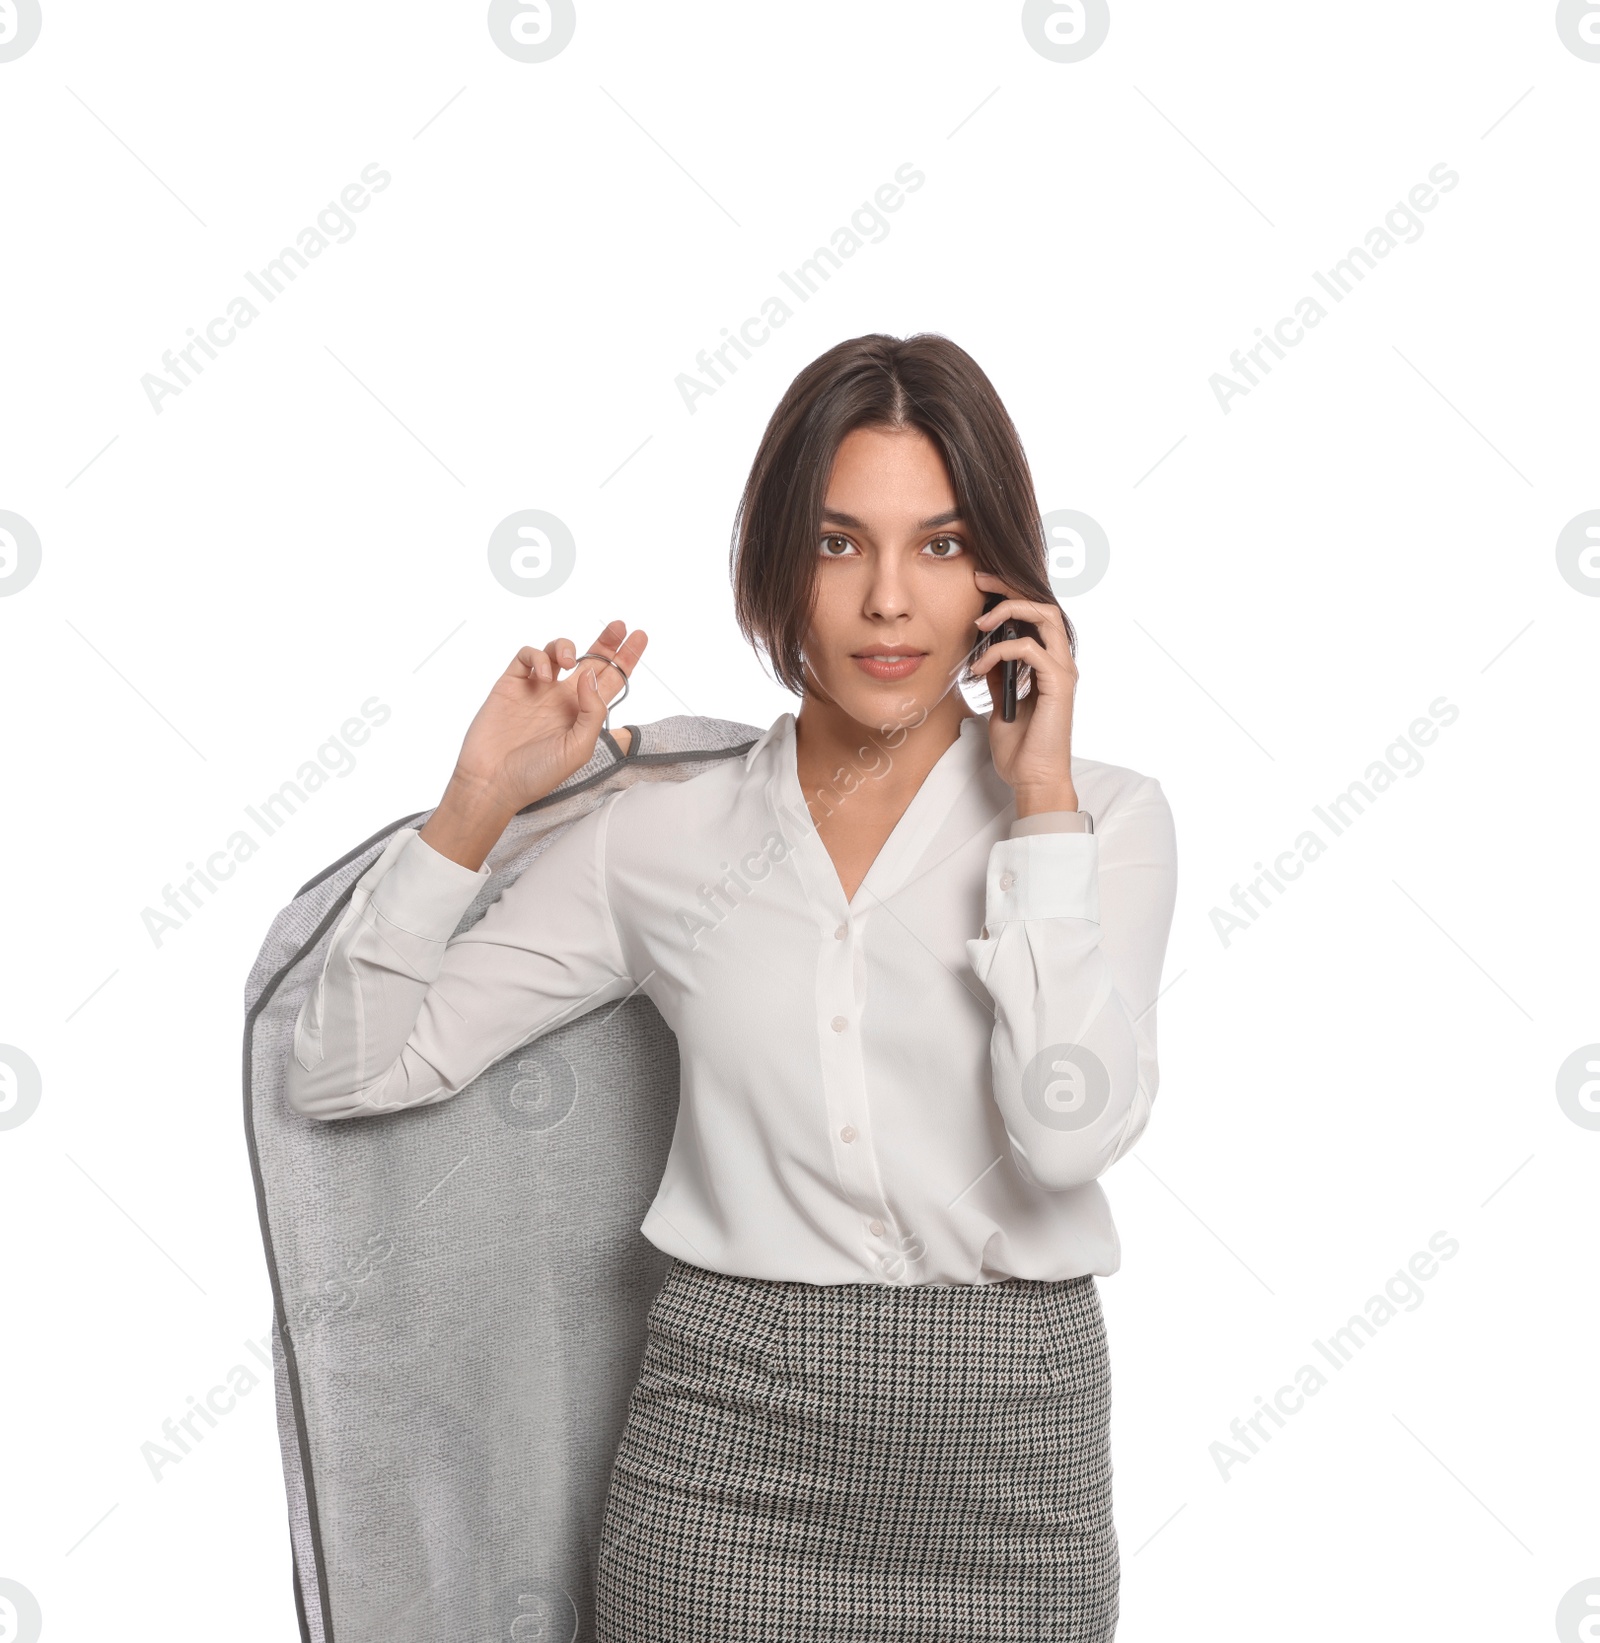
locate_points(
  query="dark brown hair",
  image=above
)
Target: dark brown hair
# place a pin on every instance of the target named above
(924, 382)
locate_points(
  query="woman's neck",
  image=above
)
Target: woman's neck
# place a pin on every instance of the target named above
(897, 754)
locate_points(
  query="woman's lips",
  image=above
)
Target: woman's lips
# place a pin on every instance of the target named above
(889, 667)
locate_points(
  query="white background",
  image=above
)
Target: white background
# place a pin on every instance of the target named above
(1292, 582)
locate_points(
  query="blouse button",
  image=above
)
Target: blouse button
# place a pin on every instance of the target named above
(875, 1228)
(1007, 880)
(841, 932)
(839, 1023)
(848, 1133)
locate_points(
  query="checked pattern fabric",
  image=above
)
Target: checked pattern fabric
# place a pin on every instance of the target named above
(878, 1463)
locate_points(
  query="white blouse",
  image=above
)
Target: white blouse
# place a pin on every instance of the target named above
(920, 1085)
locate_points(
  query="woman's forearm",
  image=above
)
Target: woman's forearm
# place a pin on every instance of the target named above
(468, 822)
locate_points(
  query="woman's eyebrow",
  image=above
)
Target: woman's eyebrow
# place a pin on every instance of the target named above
(832, 516)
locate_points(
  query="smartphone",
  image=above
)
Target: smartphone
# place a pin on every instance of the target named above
(1008, 668)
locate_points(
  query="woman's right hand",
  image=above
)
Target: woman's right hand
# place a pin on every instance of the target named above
(534, 730)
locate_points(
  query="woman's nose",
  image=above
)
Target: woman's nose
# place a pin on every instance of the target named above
(888, 594)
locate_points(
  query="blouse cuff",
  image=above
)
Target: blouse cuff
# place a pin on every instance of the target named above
(424, 892)
(1044, 821)
(1043, 875)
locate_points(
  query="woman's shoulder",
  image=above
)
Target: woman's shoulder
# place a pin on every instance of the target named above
(686, 779)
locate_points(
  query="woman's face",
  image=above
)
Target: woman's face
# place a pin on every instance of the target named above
(892, 621)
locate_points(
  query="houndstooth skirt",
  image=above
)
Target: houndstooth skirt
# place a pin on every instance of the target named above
(881, 1463)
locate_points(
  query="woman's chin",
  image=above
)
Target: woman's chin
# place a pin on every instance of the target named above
(884, 704)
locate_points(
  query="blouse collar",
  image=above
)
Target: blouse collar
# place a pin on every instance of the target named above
(956, 776)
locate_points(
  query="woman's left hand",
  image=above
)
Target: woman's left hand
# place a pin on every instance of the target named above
(1033, 754)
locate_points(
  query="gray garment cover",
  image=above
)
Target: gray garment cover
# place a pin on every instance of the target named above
(460, 1290)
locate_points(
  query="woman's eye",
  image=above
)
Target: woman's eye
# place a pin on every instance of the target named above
(828, 550)
(945, 547)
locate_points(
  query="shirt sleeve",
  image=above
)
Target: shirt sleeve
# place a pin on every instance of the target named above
(406, 1012)
(1074, 939)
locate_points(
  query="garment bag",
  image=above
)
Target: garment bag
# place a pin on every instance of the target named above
(460, 1290)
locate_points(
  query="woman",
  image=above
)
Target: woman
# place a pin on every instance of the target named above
(910, 954)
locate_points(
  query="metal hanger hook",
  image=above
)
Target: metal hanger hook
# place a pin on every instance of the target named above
(627, 683)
